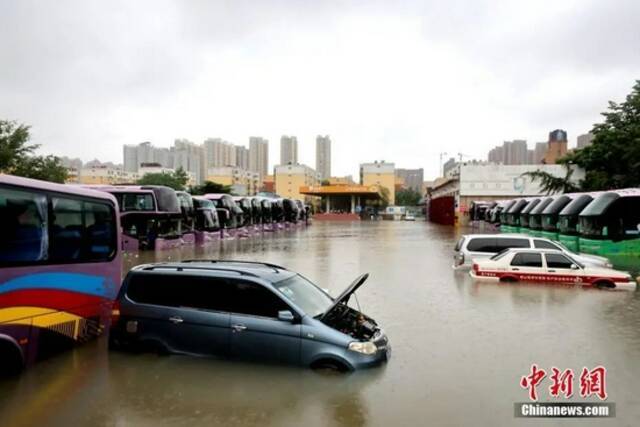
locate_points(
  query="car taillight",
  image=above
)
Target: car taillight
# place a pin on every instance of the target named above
(460, 259)
(476, 267)
(115, 313)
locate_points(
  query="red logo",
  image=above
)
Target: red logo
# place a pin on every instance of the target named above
(592, 382)
(532, 380)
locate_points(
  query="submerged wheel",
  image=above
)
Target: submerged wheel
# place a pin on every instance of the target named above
(329, 365)
(11, 357)
(604, 284)
(508, 279)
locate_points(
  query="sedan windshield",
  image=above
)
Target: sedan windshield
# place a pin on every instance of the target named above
(305, 295)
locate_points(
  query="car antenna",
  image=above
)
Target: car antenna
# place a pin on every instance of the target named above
(357, 302)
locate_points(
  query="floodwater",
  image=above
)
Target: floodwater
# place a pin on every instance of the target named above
(460, 348)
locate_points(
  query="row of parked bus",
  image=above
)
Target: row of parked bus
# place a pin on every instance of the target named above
(603, 223)
(157, 217)
(61, 252)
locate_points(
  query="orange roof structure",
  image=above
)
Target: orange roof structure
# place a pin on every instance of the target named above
(372, 191)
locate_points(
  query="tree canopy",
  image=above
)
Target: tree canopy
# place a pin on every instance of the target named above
(17, 158)
(210, 187)
(176, 180)
(613, 159)
(408, 197)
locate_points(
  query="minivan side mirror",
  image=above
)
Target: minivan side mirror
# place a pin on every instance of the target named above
(286, 316)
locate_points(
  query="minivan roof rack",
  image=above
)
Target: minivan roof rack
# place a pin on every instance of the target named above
(179, 267)
(266, 264)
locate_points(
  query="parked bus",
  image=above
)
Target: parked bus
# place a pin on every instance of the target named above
(60, 267)
(568, 224)
(188, 217)
(610, 226)
(550, 216)
(524, 215)
(207, 224)
(535, 216)
(150, 215)
(510, 222)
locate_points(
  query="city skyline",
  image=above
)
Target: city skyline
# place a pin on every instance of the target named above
(188, 71)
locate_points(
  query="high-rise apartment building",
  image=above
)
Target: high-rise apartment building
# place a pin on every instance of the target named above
(539, 152)
(323, 156)
(190, 157)
(413, 178)
(512, 153)
(145, 152)
(259, 155)
(556, 147)
(585, 140)
(219, 153)
(288, 150)
(242, 157)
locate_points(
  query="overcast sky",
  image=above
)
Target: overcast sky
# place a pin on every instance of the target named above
(395, 80)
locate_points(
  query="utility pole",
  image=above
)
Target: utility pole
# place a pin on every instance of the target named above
(442, 154)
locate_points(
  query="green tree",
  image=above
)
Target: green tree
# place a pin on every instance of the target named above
(45, 168)
(210, 187)
(17, 158)
(552, 184)
(613, 159)
(176, 180)
(408, 197)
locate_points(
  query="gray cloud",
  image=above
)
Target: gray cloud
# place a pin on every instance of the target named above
(395, 80)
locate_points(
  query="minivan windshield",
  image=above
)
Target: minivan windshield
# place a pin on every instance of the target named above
(304, 294)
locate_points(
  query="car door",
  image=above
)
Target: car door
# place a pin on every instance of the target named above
(527, 266)
(560, 270)
(200, 324)
(256, 332)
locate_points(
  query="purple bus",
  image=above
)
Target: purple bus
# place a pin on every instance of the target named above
(150, 215)
(60, 267)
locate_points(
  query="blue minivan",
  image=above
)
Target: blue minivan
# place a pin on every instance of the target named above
(244, 310)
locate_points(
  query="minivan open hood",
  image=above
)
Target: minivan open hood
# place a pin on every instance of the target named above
(346, 294)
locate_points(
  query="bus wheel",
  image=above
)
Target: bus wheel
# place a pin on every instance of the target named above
(11, 357)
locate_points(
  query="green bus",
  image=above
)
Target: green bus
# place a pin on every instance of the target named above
(511, 222)
(610, 226)
(550, 215)
(568, 224)
(525, 214)
(535, 216)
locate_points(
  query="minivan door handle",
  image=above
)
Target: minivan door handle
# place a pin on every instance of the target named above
(238, 328)
(176, 319)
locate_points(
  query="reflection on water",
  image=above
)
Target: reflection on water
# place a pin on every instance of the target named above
(459, 347)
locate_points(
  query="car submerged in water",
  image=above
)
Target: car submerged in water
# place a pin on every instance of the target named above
(244, 310)
(547, 266)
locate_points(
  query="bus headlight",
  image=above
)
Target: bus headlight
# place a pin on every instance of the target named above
(366, 347)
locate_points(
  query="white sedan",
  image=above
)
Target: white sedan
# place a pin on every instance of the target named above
(549, 266)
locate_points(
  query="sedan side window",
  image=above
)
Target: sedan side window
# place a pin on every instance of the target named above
(558, 261)
(255, 300)
(527, 260)
(543, 244)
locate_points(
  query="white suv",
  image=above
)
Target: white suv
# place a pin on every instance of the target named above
(479, 246)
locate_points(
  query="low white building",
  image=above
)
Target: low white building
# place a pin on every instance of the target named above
(489, 181)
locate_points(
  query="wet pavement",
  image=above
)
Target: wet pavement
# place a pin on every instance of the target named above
(460, 348)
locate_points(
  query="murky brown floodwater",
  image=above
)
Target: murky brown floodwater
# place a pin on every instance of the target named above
(459, 348)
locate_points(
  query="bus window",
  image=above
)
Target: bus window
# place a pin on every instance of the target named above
(23, 216)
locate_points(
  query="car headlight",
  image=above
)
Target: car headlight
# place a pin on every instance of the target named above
(366, 347)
